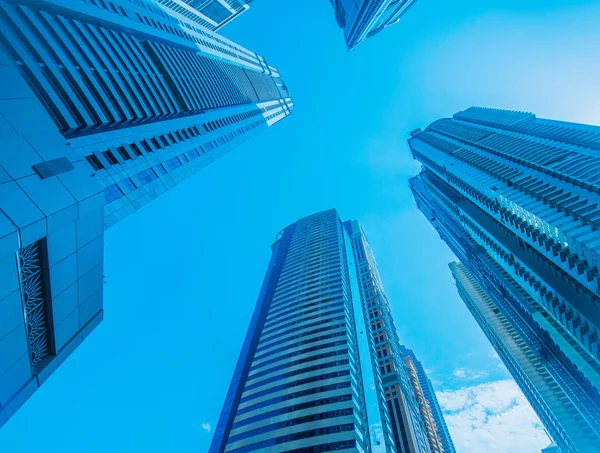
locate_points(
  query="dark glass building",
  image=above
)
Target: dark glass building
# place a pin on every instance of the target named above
(104, 105)
(362, 19)
(517, 200)
(321, 368)
(431, 412)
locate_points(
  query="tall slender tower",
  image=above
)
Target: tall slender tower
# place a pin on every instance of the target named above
(408, 426)
(312, 375)
(431, 412)
(104, 105)
(365, 18)
(517, 200)
(146, 98)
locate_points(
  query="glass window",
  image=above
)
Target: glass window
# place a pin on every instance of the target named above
(110, 157)
(94, 162)
(172, 163)
(111, 193)
(159, 170)
(144, 177)
(128, 185)
(123, 153)
(136, 149)
(146, 146)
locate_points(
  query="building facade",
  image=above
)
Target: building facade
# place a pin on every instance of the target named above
(104, 106)
(146, 98)
(51, 244)
(429, 407)
(408, 426)
(529, 371)
(311, 376)
(211, 14)
(516, 198)
(298, 383)
(362, 19)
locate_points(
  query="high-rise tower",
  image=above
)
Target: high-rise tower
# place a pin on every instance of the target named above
(146, 98)
(431, 412)
(363, 19)
(321, 368)
(408, 426)
(517, 200)
(104, 105)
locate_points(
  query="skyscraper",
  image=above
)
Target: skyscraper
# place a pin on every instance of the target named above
(529, 371)
(146, 98)
(408, 426)
(431, 412)
(104, 106)
(363, 19)
(312, 375)
(212, 14)
(516, 198)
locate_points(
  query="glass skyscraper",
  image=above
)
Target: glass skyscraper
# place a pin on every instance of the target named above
(321, 368)
(517, 200)
(362, 19)
(104, 105)
(408, 427)
(431, 412)
(146, 97)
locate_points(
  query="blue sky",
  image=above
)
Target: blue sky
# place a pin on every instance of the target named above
(184, 272)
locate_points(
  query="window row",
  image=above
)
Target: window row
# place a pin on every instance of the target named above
(115, 191)
(293, 437)
(292, 422)
(297, 407)
(150, 145)
(289, 385)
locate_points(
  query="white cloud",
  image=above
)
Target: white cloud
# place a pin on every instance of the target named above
(460, 373)
(463, 373)
(494, 417)
(206, 427)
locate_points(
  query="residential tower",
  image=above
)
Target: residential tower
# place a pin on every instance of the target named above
(517, 200)
(363, 19)
(321, 367)
(104, 106)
